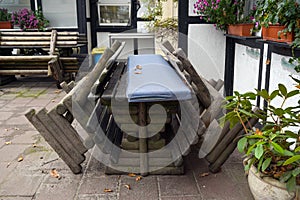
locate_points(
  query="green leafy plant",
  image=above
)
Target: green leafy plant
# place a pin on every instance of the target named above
(222, 12)
(4, 15)
(278, 12)
(268, 146)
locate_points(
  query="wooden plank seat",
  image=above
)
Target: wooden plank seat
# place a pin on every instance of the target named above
(48, 53)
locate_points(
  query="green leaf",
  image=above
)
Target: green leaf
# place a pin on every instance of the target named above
(291, 184)
(282, 89)
(296, 171)
(229, 98)
(279, 112)
(236, 93)
(292, 159)
(266, 164)
(286, 176)
(246, 113)
(277, 148)
(274, 94)
(242, 144)
(264, 94)
(291, 134)
(259, 151)
(292, 93)
(250, 95)
(287, 153)
(297, 80)
(260, 164)
(273, 136)
(297, 149)
(250, 149)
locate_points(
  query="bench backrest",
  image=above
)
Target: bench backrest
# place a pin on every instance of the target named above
(41, 39)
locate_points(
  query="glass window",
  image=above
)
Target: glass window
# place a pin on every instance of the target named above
(115, 15)
(60, 13)
(14, 5)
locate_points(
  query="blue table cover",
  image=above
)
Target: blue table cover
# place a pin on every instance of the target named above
(151, 78)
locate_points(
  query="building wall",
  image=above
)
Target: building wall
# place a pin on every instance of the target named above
(206, 50)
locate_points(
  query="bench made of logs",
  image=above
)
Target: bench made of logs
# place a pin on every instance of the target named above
(56, 125)
(47, 53)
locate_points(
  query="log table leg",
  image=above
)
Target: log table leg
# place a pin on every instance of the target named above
(143, 139)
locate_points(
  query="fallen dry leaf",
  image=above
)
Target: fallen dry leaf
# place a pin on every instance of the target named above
(268, 62)
(132, 175)
(108, 190)
(204, 174)
(8, 143)
(127, 186)
(138, 67)
(298, 86)
(138, 178)
(20, 159)
(57, 91)
(54, 173)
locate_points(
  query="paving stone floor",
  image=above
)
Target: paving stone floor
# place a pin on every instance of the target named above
(31, 179)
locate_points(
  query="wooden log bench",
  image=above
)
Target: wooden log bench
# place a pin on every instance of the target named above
(55, 125)
(48, 53)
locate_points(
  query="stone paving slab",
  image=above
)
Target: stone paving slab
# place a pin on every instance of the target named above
(31, 179)
(146, 187)
(15, 198)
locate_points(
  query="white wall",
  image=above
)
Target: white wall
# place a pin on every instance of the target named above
(246, 68)
(206, 50)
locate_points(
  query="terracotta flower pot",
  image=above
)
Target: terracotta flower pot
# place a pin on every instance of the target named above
(267, 187)
(240, 29)
(271, 33)
(6, 25)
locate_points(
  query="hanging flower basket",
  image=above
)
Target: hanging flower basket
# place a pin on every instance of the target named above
(275, 33)
(240, 29)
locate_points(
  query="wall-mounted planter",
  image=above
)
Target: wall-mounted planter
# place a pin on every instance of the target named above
(240, 29)
(271, 33)
(6, 25)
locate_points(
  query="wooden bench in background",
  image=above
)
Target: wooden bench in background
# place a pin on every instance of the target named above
(50, 53)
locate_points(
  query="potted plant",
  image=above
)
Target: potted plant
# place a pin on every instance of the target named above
(278, 18)
(28, 19)
(5, 19)
(224, 13)
(273, 147)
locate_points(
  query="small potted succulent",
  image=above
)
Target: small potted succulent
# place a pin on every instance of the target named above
(226, 15)
(5, 17)
(272, 147)
(28, 19)
(278, 18)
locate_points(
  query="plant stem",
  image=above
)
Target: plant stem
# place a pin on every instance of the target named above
(245, 128)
